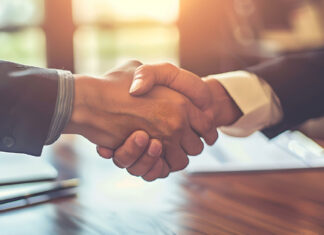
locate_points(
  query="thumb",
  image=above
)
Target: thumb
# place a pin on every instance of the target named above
(180, 80)
(144, 80)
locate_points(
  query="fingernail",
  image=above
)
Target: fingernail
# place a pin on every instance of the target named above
(155, 149)
(141, 140)
(137, 83)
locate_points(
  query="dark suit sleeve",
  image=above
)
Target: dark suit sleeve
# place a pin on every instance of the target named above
(27, 103)
(298, 81)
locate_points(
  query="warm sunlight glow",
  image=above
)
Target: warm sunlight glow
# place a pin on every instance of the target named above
(164, 11)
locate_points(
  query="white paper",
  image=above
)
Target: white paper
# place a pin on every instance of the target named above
(290, 150)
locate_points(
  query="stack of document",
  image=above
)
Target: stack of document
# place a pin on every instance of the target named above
(27, 180)
(290, 150)
(20, 168)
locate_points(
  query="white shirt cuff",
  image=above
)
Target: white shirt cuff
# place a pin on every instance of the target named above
(259, 104)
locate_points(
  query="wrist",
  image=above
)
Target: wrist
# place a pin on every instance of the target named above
(224, 108)
(80, 112)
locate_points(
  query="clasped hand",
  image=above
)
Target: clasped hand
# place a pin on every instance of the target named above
(105, 113)
(150, 130)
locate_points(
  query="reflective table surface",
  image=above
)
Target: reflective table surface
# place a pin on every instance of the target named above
(109, 201)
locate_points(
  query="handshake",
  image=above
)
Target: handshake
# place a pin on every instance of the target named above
(149, 118)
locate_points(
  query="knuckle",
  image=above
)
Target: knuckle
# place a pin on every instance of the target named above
(144, 69)
(134, 62)
(178, 120)
(176, 127)
(168, 66)
(208, 125)
(211, 115)
(173, 126)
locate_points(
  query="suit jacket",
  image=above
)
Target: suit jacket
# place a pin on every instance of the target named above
(27, 103)
(298, 81)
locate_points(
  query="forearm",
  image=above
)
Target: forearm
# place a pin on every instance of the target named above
(277, 95)
(298, 81)
(85, 99)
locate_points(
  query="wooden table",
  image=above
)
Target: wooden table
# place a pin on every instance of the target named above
(109, 201)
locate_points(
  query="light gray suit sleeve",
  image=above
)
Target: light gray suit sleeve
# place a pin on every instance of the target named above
(64, 106)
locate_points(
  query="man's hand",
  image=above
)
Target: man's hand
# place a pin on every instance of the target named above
(106, 114)
(208, 94)
(134, 154)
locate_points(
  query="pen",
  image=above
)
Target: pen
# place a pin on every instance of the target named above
(36, 193)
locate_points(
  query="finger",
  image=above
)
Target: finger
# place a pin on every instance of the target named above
(191, 143)
(147, 161)
(155, 172)
(175, 157)
(200, 123)
(185, 82)
(165, 171)
(211, 137)
(131, 150)
(105, 152)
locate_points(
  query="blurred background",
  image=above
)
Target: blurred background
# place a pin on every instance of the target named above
(210, 36)
(88, 36)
